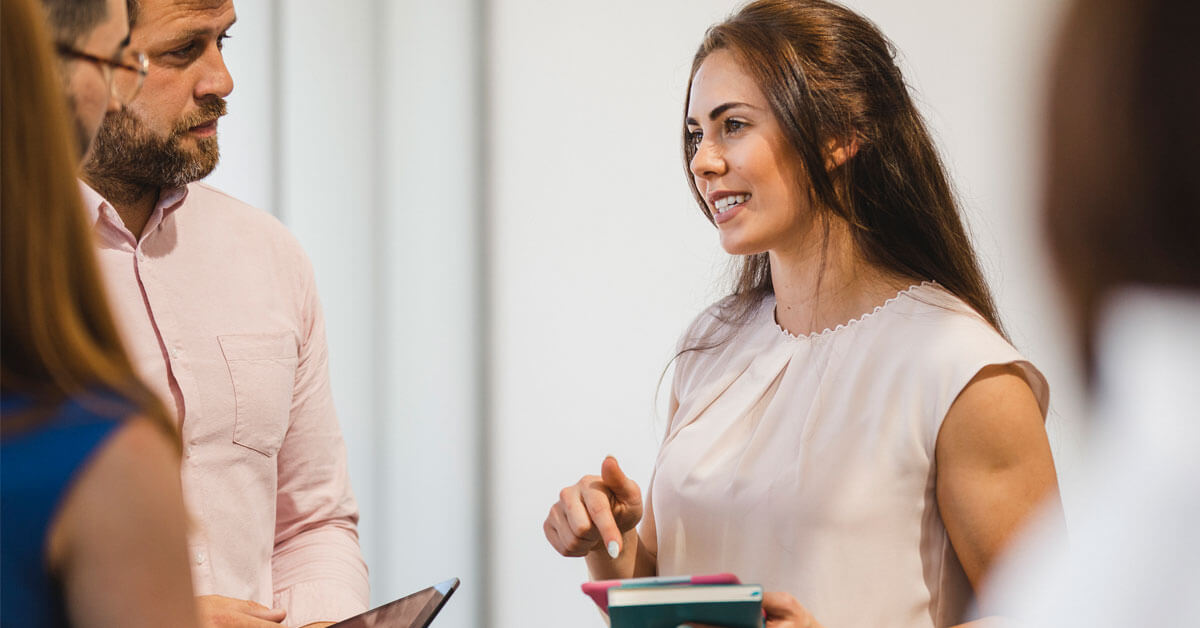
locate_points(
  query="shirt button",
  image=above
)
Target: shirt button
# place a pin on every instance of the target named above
(174, 354)
(191, 451)
(141, 256)
(199, 558)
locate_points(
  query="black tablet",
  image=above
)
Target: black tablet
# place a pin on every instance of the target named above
(412, 611)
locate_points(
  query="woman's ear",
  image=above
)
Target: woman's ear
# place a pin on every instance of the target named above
(838, 153)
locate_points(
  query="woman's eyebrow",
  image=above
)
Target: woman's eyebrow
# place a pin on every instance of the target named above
(720, 109)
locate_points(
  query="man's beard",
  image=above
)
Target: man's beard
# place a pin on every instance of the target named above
(126, 154)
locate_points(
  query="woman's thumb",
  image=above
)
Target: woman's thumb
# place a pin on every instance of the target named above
(615, 479)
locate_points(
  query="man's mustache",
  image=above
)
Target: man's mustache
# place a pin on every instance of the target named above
(210, 110)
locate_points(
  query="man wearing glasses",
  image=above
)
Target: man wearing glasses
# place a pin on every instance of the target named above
(219, 309)
(99, 73)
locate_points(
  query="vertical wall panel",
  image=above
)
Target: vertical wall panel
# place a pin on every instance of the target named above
(328, 198)
(428, 429)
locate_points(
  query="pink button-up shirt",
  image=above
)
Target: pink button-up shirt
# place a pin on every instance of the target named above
(220, 315)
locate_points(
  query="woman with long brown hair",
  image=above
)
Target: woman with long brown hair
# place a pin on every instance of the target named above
(93, 518)
(850, 427)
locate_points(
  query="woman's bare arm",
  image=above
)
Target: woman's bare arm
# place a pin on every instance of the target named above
(994, 467)
(119, 542)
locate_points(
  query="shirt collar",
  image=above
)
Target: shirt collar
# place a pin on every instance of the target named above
(169, 200)
(92, 201)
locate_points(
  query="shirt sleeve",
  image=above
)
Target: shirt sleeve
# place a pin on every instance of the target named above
(317, 566)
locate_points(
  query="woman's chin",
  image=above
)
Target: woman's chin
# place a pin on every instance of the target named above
(738, 246)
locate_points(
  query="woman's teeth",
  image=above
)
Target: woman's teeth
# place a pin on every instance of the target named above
(726, 202)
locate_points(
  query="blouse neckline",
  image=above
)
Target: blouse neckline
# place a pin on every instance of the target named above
(854, 321)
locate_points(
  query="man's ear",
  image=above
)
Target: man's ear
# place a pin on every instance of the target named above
(838, 153)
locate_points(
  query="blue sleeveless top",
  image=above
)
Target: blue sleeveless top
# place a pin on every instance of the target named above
(37, 469)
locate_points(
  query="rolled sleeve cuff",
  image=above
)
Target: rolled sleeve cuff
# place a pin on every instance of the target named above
(319, 601)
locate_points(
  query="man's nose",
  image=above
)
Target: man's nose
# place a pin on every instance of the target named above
(216, 80)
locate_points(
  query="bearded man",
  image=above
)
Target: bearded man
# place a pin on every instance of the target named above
(220, 313)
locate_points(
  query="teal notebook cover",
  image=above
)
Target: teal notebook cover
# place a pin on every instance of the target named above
(745, 613)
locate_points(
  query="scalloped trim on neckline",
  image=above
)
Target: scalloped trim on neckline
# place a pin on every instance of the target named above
(828, 332)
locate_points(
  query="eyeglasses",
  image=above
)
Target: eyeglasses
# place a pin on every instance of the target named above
(124, 79)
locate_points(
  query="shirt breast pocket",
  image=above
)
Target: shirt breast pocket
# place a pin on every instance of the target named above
(263, 370)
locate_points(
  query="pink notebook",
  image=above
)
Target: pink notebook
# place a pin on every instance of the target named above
(598, 590)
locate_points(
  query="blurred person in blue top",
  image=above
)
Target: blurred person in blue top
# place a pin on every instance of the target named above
(1122, 213)
(92, 522)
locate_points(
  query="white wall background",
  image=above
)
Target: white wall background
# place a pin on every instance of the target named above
(493, 198)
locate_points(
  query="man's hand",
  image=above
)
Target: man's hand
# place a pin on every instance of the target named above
(218, 611)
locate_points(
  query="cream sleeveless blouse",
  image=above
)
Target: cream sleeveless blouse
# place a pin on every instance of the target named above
(807, 464)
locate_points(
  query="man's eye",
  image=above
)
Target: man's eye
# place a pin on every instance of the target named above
(183, 51)
(221, 40)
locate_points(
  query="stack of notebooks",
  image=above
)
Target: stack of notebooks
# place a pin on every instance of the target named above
(717, 600)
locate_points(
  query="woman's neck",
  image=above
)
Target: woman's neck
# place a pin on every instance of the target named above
(826, 282)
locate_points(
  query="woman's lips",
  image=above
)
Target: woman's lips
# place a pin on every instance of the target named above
(730, 212)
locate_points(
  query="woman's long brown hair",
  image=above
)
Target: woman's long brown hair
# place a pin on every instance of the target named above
(829, 74)
(59, 337)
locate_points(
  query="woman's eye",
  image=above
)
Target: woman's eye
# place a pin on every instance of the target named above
(694, 138)
(733, 126)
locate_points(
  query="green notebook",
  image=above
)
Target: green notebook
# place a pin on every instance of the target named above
(726, 605)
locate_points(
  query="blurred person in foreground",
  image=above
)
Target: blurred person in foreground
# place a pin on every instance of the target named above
(99, 73)
(219, 309)
(1122, 212)
(93, 528)
(850, 427)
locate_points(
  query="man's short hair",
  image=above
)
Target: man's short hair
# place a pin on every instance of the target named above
(71, 20)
